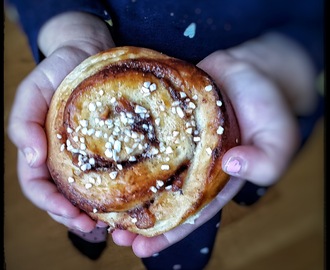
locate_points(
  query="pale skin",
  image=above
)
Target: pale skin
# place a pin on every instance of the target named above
(269, 80)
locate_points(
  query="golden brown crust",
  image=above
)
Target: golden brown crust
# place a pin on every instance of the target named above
(135, 136)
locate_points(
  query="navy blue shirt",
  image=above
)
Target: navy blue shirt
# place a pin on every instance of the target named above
(188, 29)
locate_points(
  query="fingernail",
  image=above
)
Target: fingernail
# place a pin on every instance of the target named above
(81, 229)
(30, 155)
(101, 224)
(233, 165)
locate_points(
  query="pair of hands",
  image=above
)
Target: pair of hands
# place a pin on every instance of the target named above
(266, 118)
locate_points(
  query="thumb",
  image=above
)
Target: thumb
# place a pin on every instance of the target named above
(29, 137)
(269, 132)
(28, 114)
(261, 165)
(25, 127)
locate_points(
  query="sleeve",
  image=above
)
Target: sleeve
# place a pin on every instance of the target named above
(32, 14)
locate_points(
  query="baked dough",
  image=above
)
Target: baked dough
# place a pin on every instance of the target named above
(136, 139)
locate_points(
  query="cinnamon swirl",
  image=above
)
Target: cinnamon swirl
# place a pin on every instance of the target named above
(136, 139)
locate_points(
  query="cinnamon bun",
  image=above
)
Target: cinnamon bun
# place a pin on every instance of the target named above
(136, 139)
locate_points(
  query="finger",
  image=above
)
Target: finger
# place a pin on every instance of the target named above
(123, 238)
(81, 222)
(40, 190)
(144, 247)
(28, 114)
(101, 224)
(26, 125)
(37, 187)
(255, 164)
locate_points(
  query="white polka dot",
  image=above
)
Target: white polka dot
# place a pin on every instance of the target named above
(218, 225)
(155, 254)
(261, 191)
(176, 267)
(209, 21)
(205, 250)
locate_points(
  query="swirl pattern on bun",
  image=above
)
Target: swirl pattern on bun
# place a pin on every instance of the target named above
(136, 139)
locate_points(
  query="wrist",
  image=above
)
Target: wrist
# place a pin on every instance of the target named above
(74, 29)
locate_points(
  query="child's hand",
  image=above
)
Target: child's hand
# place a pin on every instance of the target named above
(269, 140)
(64, 47)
